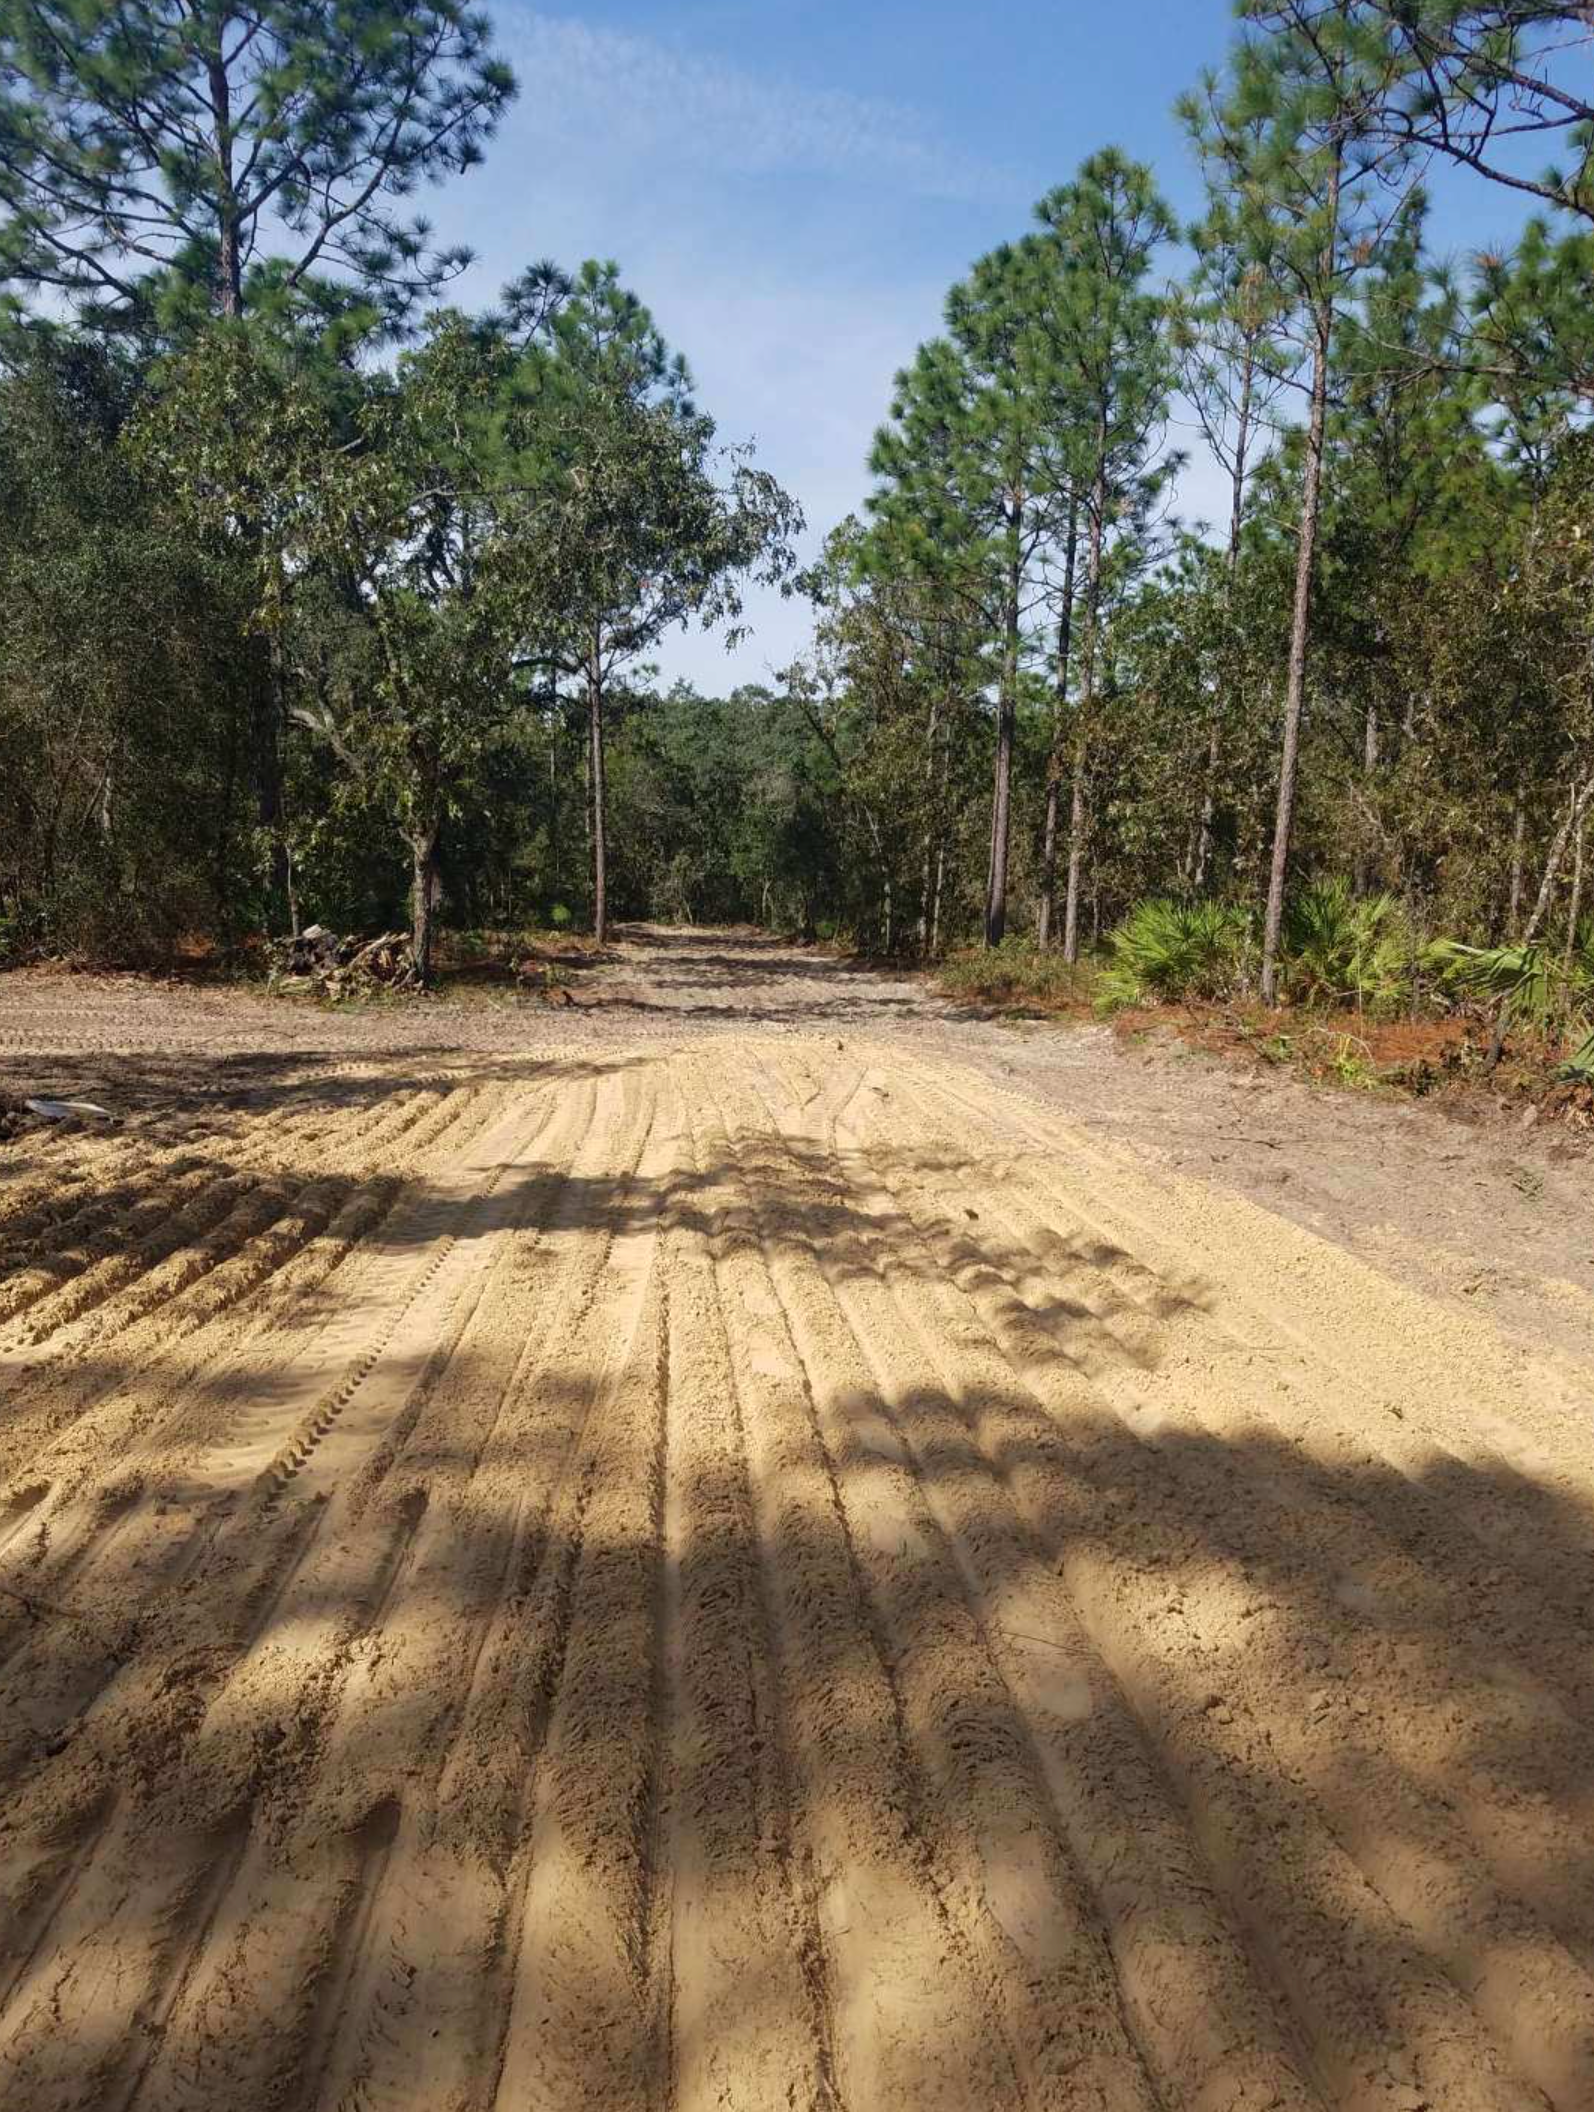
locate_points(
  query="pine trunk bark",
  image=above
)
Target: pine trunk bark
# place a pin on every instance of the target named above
(1078, 819)
(229, 229)
(600, 834)
(1077, 823)
(1366, 855)
(932, 826)
(1006, 723)
(1055, 760)
(266, 760)
(423, 876)
(1300, 626)
(1237, 476)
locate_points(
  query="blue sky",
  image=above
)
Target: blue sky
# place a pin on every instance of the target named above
(791, 186)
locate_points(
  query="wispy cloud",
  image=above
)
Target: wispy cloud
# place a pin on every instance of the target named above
(599, 84)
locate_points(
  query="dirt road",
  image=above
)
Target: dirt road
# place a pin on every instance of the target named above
(725, 1565)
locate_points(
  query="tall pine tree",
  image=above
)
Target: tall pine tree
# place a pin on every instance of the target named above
(154, 148)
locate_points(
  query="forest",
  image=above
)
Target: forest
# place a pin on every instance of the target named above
(322, 599)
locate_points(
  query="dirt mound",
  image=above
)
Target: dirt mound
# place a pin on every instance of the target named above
(767, 1572)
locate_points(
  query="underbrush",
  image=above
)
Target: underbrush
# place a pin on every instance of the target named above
(503, 949)
(1367, 1002)
(1018, 975)
(1447, 1059)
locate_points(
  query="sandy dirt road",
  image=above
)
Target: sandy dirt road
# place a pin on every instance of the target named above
(764, 1569)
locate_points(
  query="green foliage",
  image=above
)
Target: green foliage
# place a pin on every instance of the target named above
(1579, 1066)
(1166, 950)
(1016, 974)
(125, 691)
(1459, 77)
(1341, 949)
(1550, 994)
(149, 151)
(291, 618)
(1520, 977)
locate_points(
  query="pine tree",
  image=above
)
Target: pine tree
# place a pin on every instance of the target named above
(1289, 133)
(153, 151)
(1463, 77)
(1108, 370)
(1228, 331)
(965, 498)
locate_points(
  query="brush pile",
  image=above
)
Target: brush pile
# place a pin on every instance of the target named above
(320, 963)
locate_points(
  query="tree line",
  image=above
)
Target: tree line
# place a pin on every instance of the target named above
(1376, 674)
(318, 592)
(314, 587)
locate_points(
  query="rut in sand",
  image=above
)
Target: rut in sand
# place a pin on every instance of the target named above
(768, 1572)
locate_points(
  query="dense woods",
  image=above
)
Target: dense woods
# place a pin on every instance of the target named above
(323, 599)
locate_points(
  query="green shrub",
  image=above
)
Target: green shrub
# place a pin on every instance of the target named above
(1165, 950)
(1016, 972)
(1336, 949)
(1530, 987)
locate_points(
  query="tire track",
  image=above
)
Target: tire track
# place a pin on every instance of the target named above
(1205, 2033)
(901, 1985)
(357, 1953)
(1017, 1892)
(1355, 2005)
(579, 2027)
(757, 1573)
(346, 1586)
(1296, 1288)
(748, 2017)
(1340, 1566)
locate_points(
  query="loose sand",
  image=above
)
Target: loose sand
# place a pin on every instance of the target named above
(759, 1569)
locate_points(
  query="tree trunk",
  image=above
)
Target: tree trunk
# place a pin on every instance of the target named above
(932, 825)
(1365, 856)
(1237, 476)
(1054, 761)
(553, 804)
(1077, 817)
(1571, 826)
(1575, 906)
(600, 844)
(229, 231)
(1519, 827)
(1209, 797)
(1300, 624)
(1006, 722)
(423, 876)
(267, 745)
(1076, 855)
(222, 882)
